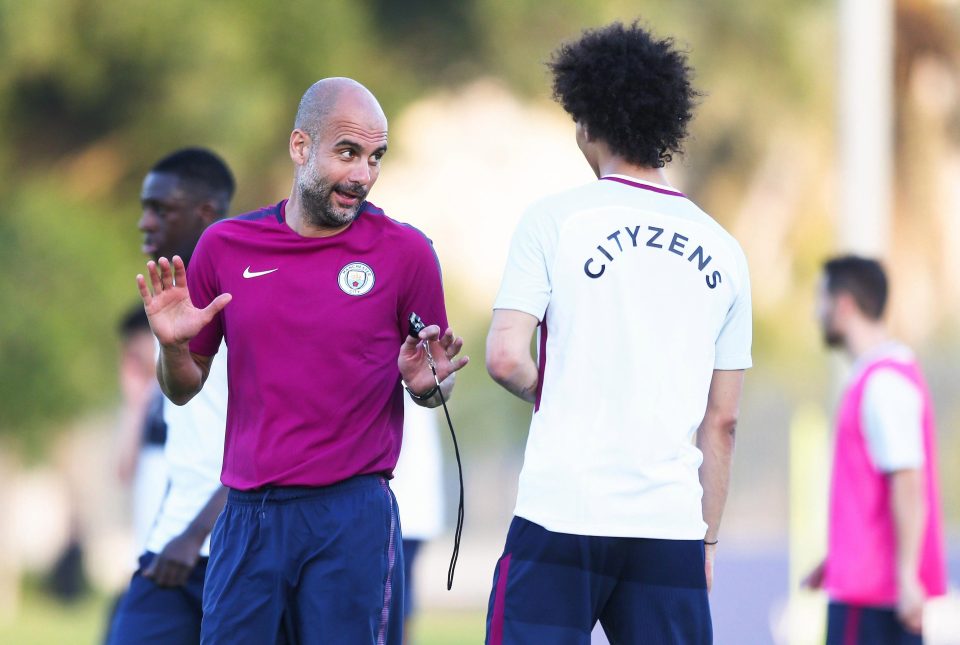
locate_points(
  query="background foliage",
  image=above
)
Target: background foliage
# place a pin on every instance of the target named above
(92, 92)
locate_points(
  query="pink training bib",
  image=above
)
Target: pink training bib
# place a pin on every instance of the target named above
(861, 555)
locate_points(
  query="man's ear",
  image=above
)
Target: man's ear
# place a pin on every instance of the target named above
(845, 304)
(582, 133)
(208, 212)
(300, 143)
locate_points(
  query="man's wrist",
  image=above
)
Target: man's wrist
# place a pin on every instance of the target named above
(908, 578)
(425, 396)
(195, 533)
(176, 350)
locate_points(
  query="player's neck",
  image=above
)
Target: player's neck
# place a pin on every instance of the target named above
(614, 165)
(866, 338)
(296, 219)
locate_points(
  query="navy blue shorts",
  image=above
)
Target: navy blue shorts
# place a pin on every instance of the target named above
(856, 625)
(553, 588)
(306, 565)
(153, 615)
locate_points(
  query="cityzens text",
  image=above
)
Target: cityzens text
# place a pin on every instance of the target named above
(652, 237)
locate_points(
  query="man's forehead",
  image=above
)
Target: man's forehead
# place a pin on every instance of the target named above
(357, 113)
(353, 129)
(824, 294)
(823, 283)
(162, 185)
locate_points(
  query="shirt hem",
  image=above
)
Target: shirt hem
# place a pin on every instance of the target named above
(607, 530)
(862, 599)
(739, 363)
(203, 553)
(890, 468)
(516, 306)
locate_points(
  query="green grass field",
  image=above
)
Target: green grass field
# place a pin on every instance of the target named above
(448, 628)
(41, 621)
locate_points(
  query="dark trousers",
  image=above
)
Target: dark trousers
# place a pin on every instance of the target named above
(856, 625)
(553, 588)
(149, 614)
(306, 565)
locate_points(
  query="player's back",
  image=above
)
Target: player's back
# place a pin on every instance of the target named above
(647, 295)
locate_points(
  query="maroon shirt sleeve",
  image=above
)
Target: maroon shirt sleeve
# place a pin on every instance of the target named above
(423, 290)
(204, 287)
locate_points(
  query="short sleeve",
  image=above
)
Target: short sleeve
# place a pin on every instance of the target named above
(892, 417)
(204, 287)
(526, 282)
(423, 293)
(732, 349)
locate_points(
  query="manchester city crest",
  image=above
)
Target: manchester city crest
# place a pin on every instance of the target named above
(356, 279)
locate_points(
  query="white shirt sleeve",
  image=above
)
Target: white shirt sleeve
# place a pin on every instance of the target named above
(526, 279)
(736, 335)
(892, 417)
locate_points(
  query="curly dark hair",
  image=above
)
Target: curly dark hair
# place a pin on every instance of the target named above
(629, 89)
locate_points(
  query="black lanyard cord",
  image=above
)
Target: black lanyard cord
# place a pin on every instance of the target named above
(416, 326)
(459, 530)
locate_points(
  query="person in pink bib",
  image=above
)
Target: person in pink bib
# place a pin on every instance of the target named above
(885, 553)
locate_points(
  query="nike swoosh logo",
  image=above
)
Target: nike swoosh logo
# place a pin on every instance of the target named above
(247, 273)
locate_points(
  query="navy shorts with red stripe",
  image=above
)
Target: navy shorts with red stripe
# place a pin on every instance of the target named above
(553, 588)
(148, 614)
(858, 625)
(306, 565)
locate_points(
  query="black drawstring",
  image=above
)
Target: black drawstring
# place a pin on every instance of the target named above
(456, 449)
(416, 326)
(459, 530)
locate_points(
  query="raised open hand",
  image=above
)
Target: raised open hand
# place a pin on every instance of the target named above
(412, 361)
(173, 318)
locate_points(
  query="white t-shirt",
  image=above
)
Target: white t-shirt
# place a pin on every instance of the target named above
(194, 453)
(418, 477)
(641, 296)
(891, 412)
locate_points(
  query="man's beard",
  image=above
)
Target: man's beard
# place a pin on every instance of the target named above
(833, 339)
(316, 196)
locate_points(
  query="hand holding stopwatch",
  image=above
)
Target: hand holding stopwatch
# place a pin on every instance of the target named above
(416, 326)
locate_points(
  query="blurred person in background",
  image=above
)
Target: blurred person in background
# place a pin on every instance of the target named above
(142, 432)
(67, 579)
(885, 551)
(642, 302)
(418, 486)
(312, 295)
(183, 194)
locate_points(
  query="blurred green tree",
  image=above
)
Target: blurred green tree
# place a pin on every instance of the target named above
(92, 92)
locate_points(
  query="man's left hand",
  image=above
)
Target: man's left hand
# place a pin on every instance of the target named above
(910, 605)
(172, 566)
(412, 361)
(709, 551)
